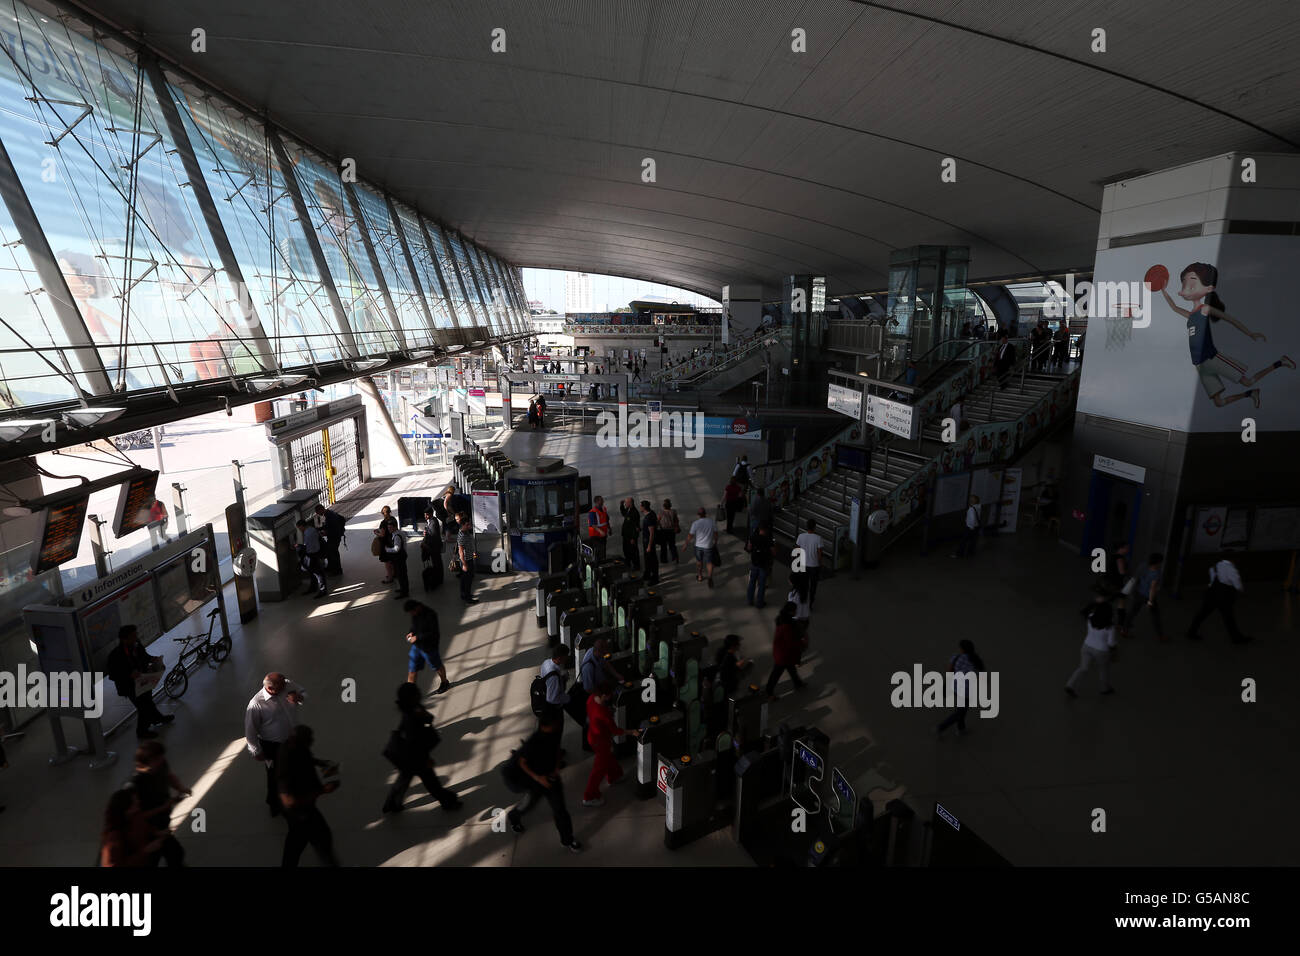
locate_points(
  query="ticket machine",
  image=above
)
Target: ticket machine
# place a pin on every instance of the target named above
(272, 533)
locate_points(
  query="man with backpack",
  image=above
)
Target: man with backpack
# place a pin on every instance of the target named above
(548, 693)
(533, 770)
(741, 472)
(333, 528)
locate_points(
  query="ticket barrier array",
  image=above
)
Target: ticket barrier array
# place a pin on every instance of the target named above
(661, 733)
(700, 789)
(573, 621)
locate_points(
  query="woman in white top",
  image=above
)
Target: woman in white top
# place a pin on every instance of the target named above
(1098, 645)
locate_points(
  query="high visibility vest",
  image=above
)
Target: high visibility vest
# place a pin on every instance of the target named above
(602, 518)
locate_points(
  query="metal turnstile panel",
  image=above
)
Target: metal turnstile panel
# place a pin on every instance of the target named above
(345, 456)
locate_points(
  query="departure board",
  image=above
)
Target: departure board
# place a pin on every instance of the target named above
(60, 534)
(133, 503)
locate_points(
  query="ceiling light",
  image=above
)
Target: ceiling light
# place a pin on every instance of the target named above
(422, 354)
(19, 428)
(17, 511)
(366, 364)
(278, 381)
(86, 417)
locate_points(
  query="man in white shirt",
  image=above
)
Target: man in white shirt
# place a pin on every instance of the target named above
(269, 719)
(970, 537)
(704, 535)
(1225, 582)
(810, 542)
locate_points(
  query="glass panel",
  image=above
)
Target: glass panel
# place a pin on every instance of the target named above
(500, 295)
(425, 268)
(345, 252)
(447, 266)
(472, 307)
(29, 368)
(253, 201)
(111, 198)
(392, 263)
(484, 287)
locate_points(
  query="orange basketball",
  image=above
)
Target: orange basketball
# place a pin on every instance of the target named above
(1157, 278)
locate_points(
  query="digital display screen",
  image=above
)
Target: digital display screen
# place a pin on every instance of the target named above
(60, 537)
(134, 500)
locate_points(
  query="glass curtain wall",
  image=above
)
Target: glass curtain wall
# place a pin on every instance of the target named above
(387, 244)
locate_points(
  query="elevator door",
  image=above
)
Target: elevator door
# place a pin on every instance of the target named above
(1113, 508)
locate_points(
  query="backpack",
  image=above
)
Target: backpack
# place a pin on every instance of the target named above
(537, 693)
(742, 472)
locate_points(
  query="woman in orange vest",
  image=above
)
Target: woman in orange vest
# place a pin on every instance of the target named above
(598, 527)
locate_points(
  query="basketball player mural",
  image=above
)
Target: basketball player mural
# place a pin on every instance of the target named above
(1215, 369)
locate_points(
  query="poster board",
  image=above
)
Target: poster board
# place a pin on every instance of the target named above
(101, 622)
(1236, 529)
(1208, 529)
(181, 590)
(487, 512)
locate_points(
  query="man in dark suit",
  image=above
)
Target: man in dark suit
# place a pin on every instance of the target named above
(1004, 358)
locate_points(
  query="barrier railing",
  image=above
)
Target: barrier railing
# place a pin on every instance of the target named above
(715, 362)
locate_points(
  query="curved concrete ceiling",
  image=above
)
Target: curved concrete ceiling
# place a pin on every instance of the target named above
(768, 161)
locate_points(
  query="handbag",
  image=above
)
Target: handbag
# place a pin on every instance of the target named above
(721, 513)
(376, 547)
(715, 558)
(396, 750)
(454, 564)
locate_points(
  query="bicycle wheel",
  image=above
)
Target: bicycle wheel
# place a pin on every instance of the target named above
(221, 650)
(176, 683)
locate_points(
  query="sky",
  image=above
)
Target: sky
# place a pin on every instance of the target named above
(607, 292)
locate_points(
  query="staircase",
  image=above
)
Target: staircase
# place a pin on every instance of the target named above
(830, 500)
(988, 403)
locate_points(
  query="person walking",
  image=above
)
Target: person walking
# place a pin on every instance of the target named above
(1146, 596)
(127, 839)
(598, 528)
(1004, 359)
(601, 731)
(554, 675)
(798, 596)
(466, 555)
(761, 553)
(334, 532)
(649, 529)
(313, 556)
(733, 496)
(965, 661)
(300, 787)
(268, 722)
(730, 665)
(631, 531)
(971, 536)
(533, 770)
(704, 537)
(669, 528)
(760, 511)
(377, 549)
(158, 519)
(1221, 596)
(532, 413)
(424, 639)
(812, 545)
(741, 472)
(786, 650)
(125, 665)
(395, 552)
(1098, 645)
(411, 751)
(431, 543)
(154, 782)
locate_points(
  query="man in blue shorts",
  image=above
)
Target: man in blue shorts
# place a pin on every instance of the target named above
(424, 639)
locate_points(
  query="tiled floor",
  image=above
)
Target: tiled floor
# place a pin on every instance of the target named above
(1186, 772)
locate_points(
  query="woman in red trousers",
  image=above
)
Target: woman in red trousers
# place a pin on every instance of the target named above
(787, 648)
(601, 731)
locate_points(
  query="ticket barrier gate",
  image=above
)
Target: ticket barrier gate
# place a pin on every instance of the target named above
(599, 580)
(633, 707)
(660, 734)
(573, 621)
(680, 660)
(547, 583)
(556, 603)
(624, 592)
(846, 836)
(692, 808)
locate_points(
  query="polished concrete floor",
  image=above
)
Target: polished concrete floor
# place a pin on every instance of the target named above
(1185, 771)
